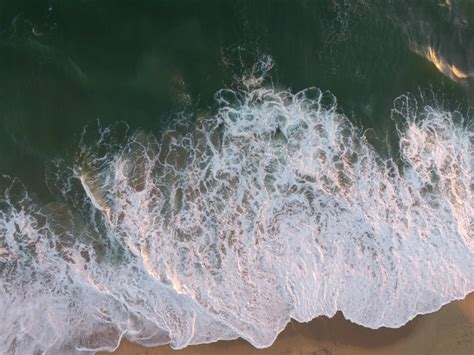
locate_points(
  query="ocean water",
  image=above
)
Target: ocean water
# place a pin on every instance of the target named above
(182, 172)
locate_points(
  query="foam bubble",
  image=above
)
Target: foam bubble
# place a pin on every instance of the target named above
(275, 207)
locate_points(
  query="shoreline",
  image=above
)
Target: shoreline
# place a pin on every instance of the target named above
(450, 330)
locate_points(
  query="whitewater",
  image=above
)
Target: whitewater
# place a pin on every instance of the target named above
(272, 207)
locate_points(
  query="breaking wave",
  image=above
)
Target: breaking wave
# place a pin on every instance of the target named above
(274, 207)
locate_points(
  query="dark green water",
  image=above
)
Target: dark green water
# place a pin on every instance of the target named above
(267, 204)
(64, 64)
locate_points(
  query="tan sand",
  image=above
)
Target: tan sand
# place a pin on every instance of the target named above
(447, 331)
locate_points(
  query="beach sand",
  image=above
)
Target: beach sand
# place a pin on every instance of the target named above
(447, 331)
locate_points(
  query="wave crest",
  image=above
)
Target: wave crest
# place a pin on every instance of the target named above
(276, 207)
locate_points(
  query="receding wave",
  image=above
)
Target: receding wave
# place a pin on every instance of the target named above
(274, 207)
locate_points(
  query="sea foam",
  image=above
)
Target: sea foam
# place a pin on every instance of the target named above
(275, 207)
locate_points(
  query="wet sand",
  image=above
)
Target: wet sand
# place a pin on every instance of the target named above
(447, 331)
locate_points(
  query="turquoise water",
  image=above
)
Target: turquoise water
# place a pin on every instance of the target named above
(187, 171)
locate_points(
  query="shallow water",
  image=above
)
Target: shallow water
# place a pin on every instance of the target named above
(184, 172)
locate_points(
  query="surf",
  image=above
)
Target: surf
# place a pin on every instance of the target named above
(274, 207)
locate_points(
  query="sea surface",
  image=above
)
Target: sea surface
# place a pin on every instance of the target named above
(182, 172)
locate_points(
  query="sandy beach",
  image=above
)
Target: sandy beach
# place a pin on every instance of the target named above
(447, 331)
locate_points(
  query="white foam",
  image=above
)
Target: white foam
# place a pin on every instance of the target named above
(274, 208)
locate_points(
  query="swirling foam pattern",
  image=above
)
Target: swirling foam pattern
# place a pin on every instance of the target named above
(275, 207)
